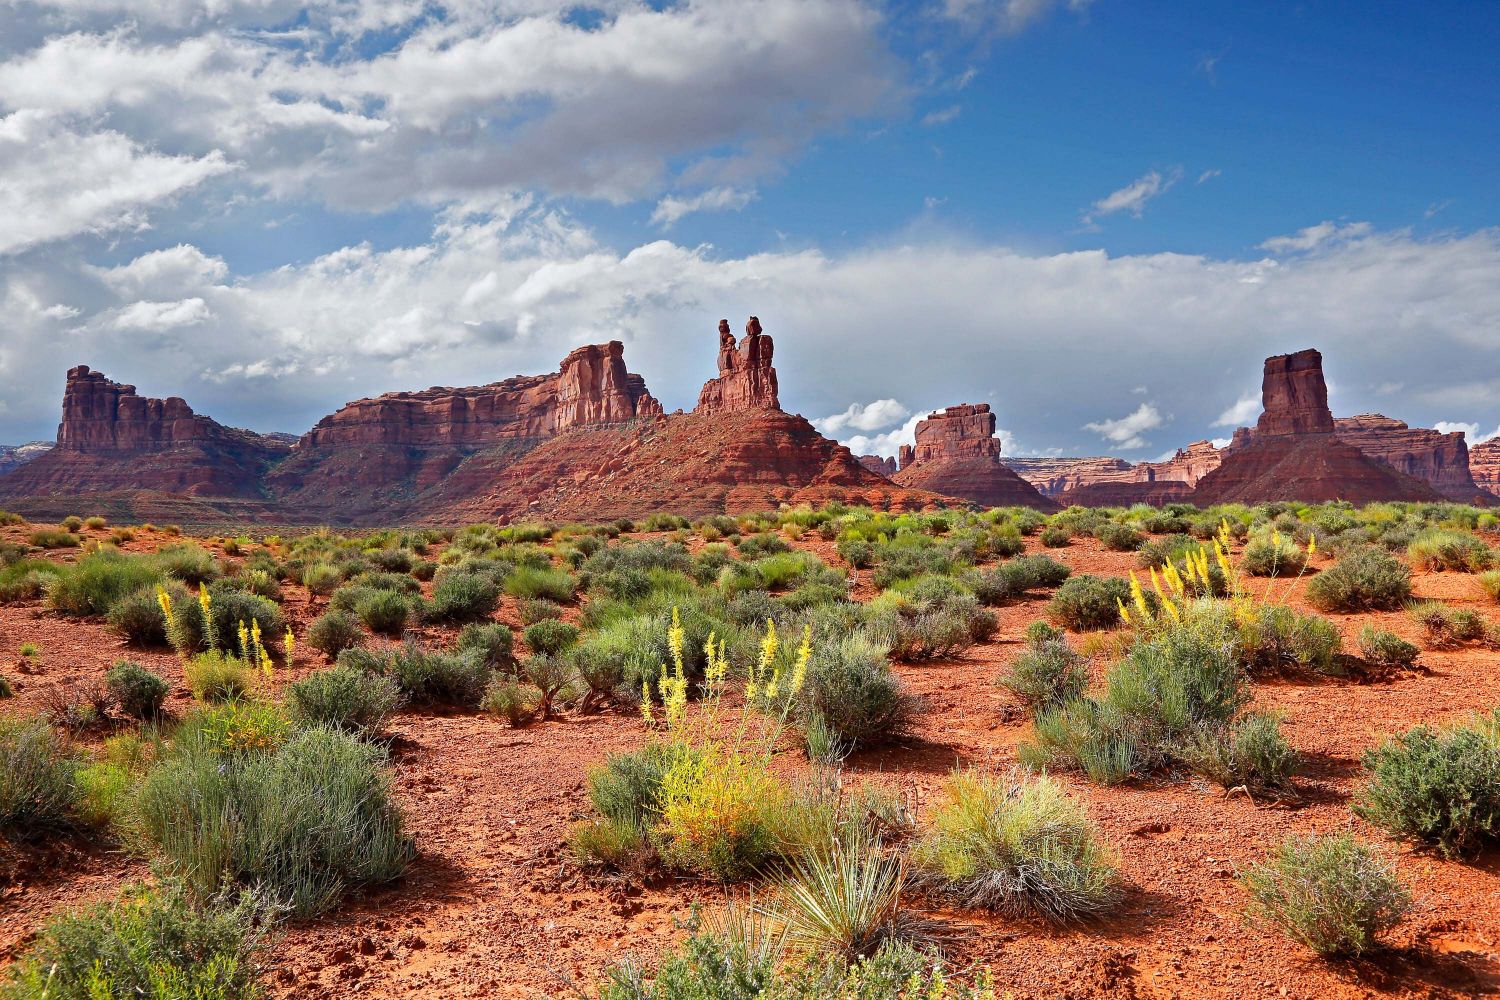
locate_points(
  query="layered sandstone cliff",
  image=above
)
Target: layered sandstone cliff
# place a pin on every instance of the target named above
(956, 453)
(1484, 466)
(1441, 460)
(1294, 454)
(1054, 477)
(112, 438)
(880, 465)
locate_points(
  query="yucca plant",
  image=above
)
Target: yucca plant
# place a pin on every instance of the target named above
(845, 901)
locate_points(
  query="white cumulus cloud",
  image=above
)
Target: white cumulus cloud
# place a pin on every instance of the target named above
(1126, 431)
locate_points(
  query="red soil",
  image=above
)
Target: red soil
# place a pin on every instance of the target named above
(495, 907)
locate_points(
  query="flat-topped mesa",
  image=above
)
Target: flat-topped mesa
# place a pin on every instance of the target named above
(1294, 396)
(746, 381)
(957, 454)
(879, 464)
(101, 415)
(111, 439)
(1055, 476)
(965, 431)
(1443, 460)
(592, 387)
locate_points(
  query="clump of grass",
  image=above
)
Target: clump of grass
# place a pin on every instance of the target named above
(1055, 537)
(97, 582)
(37, 790)
(1445, 627)
(159, 942)
(51, 538)
(1119, 537)
(1437, 786)
(322, 579)
(1386, 649)
(138, 617)
(1490, 584)
(1017, 845)
(351, 699)
(1251, 753)
(1457, 551)
(429, 677)
(304, 822)
(135, 690)
(1084, 603)
(1365, 579)
(540, 583)
(218, 676)
(460, 598)
(383, 611)
(491, 643)
(1332, 894)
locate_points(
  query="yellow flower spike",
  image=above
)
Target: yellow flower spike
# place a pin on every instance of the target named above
(646, 701)
(1312, 544)
(1276, 538)
(1171, 609)
(1156, 584)
(1124, 615)
(804, 654)
(289, 646)
(244, 641)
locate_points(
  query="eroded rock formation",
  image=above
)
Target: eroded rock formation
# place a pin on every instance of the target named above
(957, 454)
(746, 381)
(1441, 460)
(1115, 482)
(112, 438)
(1484, 466)
(881, 466)
(1294, 454)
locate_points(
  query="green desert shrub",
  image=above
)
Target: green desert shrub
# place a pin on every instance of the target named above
(137, 691)
(322, 579)
(627, 787)
(353, 700)
(1054, 537)
(304, 822)
(383, 611)
(1457, 551)
(1366, 579)
(550, 637)
(491, 643)
(138, 618)
(460, 598)
(1250, 752)
(228, 608)
(72, 522)
(431, 677)
(1119, 537)
(158, 943)
(851, 690)
(1332, 894)
(536, 609)
(52, 538)
(1273, 637)
(1387, 649)
(333, 632)
(1084, 603)
(187, 563)
(1048, 673)
(1437, 786)
(37, 788)
(1268, 556)
(98, 581)
(1017, 845)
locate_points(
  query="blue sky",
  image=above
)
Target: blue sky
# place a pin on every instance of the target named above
(1098, 216)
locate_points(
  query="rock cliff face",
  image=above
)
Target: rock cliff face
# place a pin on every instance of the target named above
(1112, 482)
(956, 453)
(1294, 454)
(746, 379)
(15, 455)
(386, 454)
(881, 466)
(1484, 466)
(1441, 460)
(111, 438)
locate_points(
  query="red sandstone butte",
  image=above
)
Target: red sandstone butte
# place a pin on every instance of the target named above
(957, 454)
(746, 379)
(1484, 466)
(111, 438)
(1441, 460)
(1293, 453)
(881, 466)
(1106, 481)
